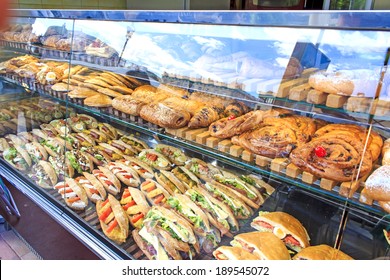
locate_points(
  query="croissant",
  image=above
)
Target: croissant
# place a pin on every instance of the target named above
(165, 116)
(334, 157)
(205, 116)
(236, 109)
(191, 106)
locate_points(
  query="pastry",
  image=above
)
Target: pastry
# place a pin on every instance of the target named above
(333, 82)
(205, 116)
(128, 104)
(110, 92)
(170, 90)
(190, 106)
(98, 100)
(236, 109)
(165, 116)
(80, 92)
(122, 89)
(386, 152)
(334, 157)
(378, 184)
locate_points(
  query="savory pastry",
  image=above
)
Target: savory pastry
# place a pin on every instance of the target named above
(113, 219)
(92, 186)
(125, 174)
(165, 116)
(378, 184)
(43, 174)
(143, 170)
(73, 194)
(249, 194)
(98, 100)
(233, 253)
(169, 182)
(135, 205)
(205, 116)
(185, 207)
(264, 245)
(17, 157)
(80, 161)
(230, 126)
(154, 159)
(136, 143)
(333, 157)
(128, 104)
(186, 177)
(285, 227)
(233, 200)
(175, 155)
(154, 192)
(218, 213)
(176, 232)
(321, 252)
(108, 180)
(36, 151)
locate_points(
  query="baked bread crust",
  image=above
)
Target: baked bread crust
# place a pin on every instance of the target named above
(378, 184)
(165, 116)
(321, 252)
(233, 253)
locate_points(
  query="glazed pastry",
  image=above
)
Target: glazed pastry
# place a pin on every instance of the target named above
(165, 116)
(230, 126)
(334, 157)
(375, 141)
(277, 137)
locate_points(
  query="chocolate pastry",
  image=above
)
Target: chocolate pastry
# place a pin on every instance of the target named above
(236, 108)
(334, 157)
(165, 116)
(205, 116)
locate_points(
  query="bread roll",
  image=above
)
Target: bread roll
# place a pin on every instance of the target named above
(321, 252)
(378, 184)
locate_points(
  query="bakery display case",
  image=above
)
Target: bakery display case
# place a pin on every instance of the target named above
(200, 135)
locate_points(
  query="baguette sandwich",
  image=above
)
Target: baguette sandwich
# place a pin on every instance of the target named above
(143, 170)
(170, 183)
(135, 205)
(154, 192)
(73, 195)
(175, 155)
(155, 159)
(92, 186)
(18, 158)
(233, 253)
(125, 174)
(43, 174)
(188, 179)
(109, 181)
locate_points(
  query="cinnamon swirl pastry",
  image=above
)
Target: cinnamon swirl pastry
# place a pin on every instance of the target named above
(375, 141)
(333, 156)
(230, 126)
(277, 137)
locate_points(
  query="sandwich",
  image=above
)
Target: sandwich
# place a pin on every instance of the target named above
(125, 174)
(321, 252)
(3, 145)
(250, 194)
(285, 227)
(175, 155)
(112, 152)
(231, 199)
(188, 179)
(113, 219)
(83, 139)
(109, 181)
(136, 143)
(79, 161)
(154, 192)
(185, 207)
(258, 183)
(36, 151)
(135, 205)
(43, 174)
(26, 136)
(201, 169)
(178, 237)
(126, 149)
(109, 130)
(143, 170)
(233, 253)
(61, 127)
(40, 135)
(18, 158)
(264, 245)
(218, 213)
(150, 244)
(154, 159)
(61, 166)
(74, 196)
(81, 122)
(170, 183)
(96, 135)
(92, 186)
(14, 140)
(99, 157)
(54, 146)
